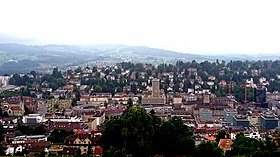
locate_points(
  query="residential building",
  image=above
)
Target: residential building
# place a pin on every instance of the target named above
(225, 144)
(82, 139)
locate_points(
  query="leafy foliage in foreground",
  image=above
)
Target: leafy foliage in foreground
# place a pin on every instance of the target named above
(140, 134)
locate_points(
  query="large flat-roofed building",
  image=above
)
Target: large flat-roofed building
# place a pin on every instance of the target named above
(205, 114)
(153, 101)
(156, 98)
(33, 119)
(241, 120)
(229, 114)
(268, 121)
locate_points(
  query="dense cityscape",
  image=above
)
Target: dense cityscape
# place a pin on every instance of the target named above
(138, 109)
(141, 78)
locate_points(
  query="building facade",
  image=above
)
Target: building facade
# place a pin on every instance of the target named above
(268, 121)
(205, 114)
(260, 95)
(241, 120)
(228, 115)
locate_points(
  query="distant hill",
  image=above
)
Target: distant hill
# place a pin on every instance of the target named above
(23, 58)
(147, 51)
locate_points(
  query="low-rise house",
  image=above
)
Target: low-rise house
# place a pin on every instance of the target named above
(82, 140)
(225, 144)
(56, 150)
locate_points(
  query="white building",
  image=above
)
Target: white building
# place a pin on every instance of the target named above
(4, 81)
(33, 119)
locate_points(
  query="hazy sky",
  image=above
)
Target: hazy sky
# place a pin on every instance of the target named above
(192, 26)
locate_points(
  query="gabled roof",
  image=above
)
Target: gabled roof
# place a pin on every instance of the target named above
(225, 144)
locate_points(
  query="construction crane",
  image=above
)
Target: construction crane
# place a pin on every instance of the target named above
(229, 88)
(245, 90)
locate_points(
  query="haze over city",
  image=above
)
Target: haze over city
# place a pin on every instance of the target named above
(198, 27)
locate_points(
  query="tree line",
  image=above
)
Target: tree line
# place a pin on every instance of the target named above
(140, 134)
(233, 71)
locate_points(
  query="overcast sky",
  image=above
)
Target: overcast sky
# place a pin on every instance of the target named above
(191, 26)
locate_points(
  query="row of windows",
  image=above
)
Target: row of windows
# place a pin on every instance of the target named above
(81, 142)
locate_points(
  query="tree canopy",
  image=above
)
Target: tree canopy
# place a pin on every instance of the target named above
(138, 133)
(252, 147)
(58, 135)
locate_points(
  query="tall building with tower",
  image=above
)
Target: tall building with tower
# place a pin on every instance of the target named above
(155, 88)
(156, 98)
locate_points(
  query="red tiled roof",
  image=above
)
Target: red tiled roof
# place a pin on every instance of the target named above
(83, 132)
(98, 150)
(225, 144)
(210, 138)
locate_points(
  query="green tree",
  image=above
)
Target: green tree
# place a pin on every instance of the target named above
(134, 88)
(113, 152)
(221, 135)
(58, 135)
(206, 149)
(2, 149)
(111, 139)
(24, 129)
(176, 138)
(78, 153)
(1, 133)
(129, 103)
(137, 132)
(39, 130)
(56, 73)
(252, 147)
(89, 152)
(40, 154)
(24, 152)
